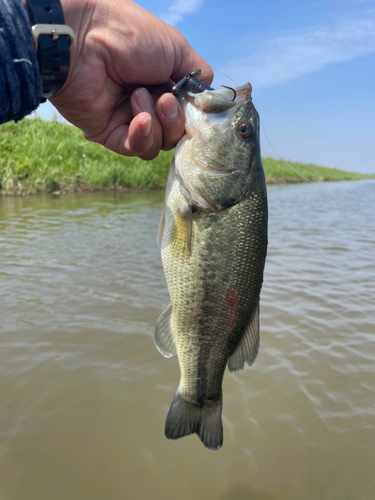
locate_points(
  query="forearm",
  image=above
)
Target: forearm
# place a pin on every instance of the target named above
(20, 82)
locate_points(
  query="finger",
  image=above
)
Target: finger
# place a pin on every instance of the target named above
(172, 120)
(115, 135)
(142, 102)
(135, 139)
(139, 137)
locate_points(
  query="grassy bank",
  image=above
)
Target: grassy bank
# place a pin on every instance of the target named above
(38, 156)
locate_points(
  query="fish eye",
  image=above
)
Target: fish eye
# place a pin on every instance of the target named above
(244, 129)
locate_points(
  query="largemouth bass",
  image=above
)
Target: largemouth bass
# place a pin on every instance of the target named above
(213, 240)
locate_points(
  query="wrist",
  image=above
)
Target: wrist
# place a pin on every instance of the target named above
(78, 15)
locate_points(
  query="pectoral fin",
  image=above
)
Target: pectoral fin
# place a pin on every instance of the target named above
(163, 334)
(180, 235)
(247, 349)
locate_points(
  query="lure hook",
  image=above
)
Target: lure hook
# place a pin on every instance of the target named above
(232, 89)
(191, 84)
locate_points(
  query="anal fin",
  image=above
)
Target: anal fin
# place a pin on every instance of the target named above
(248, 348)
(163, 339)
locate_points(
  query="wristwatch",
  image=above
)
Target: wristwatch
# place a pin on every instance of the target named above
(53, 40)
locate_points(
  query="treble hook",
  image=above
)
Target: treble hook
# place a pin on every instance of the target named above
(230, 88)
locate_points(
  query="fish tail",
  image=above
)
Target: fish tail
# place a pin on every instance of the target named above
(188, 417)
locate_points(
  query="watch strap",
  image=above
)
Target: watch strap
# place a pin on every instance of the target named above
(52, 40)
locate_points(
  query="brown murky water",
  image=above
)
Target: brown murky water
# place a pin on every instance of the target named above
(84, 393)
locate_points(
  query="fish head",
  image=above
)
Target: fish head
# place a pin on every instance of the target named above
(220, 155)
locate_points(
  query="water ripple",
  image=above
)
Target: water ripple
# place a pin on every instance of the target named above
(84, 393)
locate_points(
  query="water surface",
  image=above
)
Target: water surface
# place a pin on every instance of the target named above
(84, 393)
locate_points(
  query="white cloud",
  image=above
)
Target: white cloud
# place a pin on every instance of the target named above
(286, 56)
(179, 9)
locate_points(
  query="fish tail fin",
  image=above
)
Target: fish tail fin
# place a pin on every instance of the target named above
(187, 417)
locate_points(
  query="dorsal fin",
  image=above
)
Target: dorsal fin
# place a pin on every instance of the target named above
(247, 349)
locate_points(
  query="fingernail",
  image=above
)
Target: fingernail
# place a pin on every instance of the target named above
(169, 107)
(144, 101)
(145, 126)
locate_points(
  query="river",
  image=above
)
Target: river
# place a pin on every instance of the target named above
(84, 393)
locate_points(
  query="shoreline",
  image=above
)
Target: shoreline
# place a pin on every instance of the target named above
(124, 189)
(39, 157)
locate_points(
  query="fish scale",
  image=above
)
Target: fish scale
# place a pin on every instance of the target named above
(213, 238)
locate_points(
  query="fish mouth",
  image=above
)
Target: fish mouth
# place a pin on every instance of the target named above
(208, 104)
(240, 94)
(216, 101)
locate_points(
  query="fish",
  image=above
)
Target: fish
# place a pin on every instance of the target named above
(213, 241)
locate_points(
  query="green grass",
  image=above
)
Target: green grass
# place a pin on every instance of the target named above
(277, 172)
(39, 156)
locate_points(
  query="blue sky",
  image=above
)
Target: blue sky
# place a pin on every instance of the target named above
(311, 65)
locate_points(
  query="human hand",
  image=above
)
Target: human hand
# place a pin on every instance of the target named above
(123, 64)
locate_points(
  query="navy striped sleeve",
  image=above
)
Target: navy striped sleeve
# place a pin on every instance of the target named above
(20, 82)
